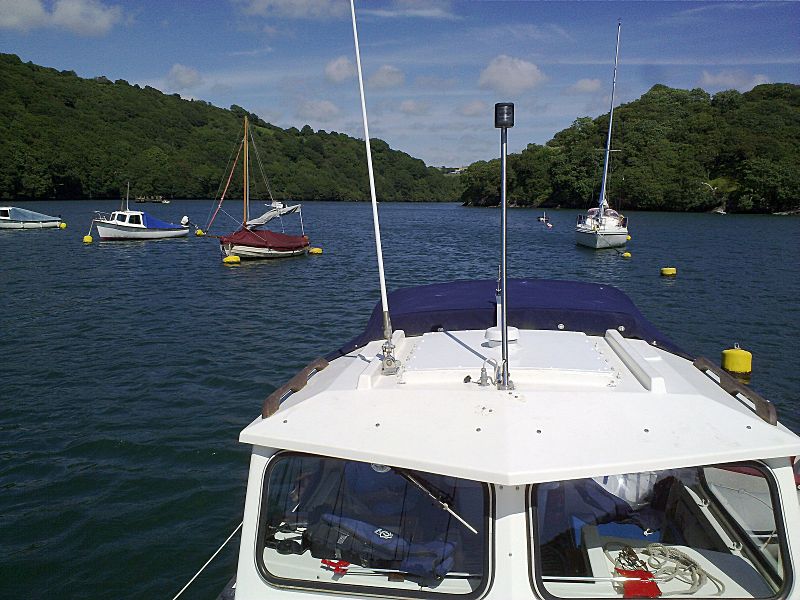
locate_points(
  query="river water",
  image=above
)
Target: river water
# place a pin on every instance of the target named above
(129, 368)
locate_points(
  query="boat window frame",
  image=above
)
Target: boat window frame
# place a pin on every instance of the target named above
(534, 556)
(134, 219)
(5, 213)
(363, 590)
(777, 511)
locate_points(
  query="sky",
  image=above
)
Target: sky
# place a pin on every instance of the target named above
(433, 69)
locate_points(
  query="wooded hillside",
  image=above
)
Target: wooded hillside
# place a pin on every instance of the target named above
(68, 137)
(685, 150)
(677, 150)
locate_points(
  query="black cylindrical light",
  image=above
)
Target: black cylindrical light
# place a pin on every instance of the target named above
(504, 114)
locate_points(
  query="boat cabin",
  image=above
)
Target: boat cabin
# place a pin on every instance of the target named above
(616, 467)
(130, 218)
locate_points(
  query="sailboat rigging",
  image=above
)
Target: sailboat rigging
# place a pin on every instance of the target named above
(252, 239)
(603, 227)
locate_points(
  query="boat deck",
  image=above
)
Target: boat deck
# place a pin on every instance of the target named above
(659, 410)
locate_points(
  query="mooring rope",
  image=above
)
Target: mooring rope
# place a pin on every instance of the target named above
(196, 575)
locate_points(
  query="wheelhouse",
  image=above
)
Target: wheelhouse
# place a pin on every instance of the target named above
(616, 468)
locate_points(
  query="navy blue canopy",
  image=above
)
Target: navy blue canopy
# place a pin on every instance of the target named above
(152, 223)
(532, 304)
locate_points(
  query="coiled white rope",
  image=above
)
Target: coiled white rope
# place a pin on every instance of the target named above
(196, 575)
(666, 564)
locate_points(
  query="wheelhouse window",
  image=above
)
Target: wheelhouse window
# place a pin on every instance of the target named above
(135, 220)
(366, 528)
(701, 532)
(121, 218)
(4, 212)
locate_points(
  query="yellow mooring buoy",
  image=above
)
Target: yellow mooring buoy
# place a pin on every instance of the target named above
(626, 255)
(315, 250)
(199, 233)
(737, 361)
(62, 225)
(87, 239)
(231, 260)
(628, 238)
(669, 272)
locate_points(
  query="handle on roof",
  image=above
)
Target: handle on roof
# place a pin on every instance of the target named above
(295, 384)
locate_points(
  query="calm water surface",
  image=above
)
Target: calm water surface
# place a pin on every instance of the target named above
(129, 368)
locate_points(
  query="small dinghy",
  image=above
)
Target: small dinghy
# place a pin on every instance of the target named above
(12, 217)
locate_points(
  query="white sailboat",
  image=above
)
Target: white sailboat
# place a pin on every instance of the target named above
(577, 454)
(603, 227)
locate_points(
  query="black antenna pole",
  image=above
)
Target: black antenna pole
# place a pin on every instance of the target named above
(503, 119)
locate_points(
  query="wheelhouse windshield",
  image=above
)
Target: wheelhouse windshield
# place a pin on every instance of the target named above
(362, 528)
(701, 532)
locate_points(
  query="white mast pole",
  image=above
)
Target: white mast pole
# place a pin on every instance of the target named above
(610, 121)
(390, 365)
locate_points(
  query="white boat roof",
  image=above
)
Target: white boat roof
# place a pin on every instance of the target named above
(583, 406)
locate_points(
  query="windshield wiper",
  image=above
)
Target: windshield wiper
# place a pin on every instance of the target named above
(438, 496)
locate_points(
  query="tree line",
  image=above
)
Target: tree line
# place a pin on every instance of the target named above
(66, 137)
(675, 150)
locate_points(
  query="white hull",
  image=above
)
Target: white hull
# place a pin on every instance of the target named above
(8, 224)
(252, 252)
(601, 238)
(112, 231)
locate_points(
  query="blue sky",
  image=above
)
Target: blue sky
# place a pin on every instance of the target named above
(433, 69)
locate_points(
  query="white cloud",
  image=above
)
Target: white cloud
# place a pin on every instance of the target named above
(84, 17)
(412, 107)
(294, 9)
(585, 86)
(256, 52)
(474, 108)
(732, 79)
(387, 77)
(420, 9)
(317, 110)
(508, 75)
(22, 14)
(181, 77)
(340, 69)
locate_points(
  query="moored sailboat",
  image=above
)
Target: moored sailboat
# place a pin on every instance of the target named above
(603, 227)
(252, 239)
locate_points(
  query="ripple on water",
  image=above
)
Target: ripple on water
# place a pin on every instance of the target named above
(131, 368)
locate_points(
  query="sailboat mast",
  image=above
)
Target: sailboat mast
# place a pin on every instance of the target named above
(246, 182)
(610, 122)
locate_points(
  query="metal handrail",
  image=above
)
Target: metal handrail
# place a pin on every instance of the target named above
(295, 384)
(761, 406)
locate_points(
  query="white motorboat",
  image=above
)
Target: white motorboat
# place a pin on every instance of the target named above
(136, 225)
(126, 224)
(252, 239)
(12, 217)
(603, 227)
(524, 439)
(613, 462)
